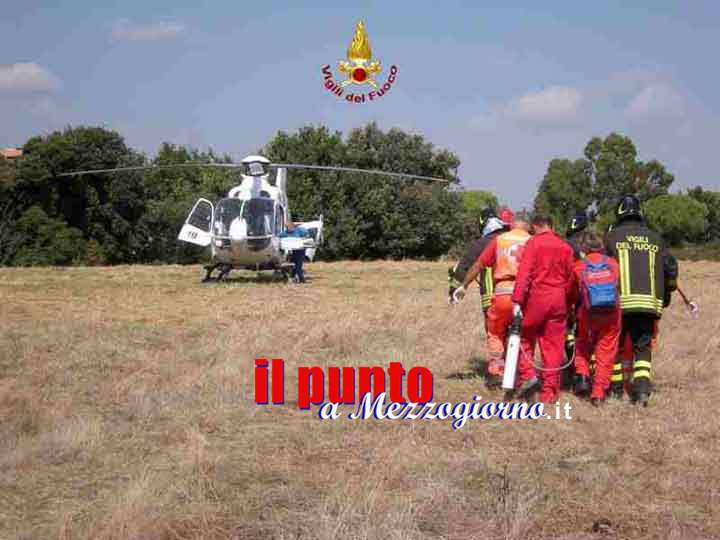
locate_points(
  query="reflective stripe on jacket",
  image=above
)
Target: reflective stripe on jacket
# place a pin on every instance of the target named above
(641, 255)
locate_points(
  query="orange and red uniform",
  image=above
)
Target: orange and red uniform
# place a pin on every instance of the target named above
(503, 255)
(597, 333)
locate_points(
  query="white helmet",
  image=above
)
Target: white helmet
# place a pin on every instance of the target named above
(493, 224)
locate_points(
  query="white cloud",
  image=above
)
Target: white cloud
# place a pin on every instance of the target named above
(554, 102)
(126, 30)
(656, 100)
(27, 77)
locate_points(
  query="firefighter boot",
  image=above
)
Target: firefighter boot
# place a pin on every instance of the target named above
(581, 386)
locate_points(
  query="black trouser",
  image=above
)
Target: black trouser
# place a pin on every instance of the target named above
(298, 258)
(640, 327)
(567, 375)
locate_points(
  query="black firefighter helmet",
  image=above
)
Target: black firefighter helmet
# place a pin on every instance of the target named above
(487, 213)
(578, 223)
(629, 207)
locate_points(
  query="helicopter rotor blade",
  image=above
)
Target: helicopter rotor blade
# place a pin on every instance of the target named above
(154, 167)
(363, 171)
(273, 165)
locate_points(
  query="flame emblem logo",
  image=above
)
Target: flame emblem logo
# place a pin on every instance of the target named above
(360, 66)
(359, 69)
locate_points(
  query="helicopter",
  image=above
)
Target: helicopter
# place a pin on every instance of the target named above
(245, 229)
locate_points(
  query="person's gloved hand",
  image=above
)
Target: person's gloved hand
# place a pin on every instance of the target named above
(517, 310)
(458, 295)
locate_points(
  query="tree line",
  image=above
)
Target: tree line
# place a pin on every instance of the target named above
(134, 217)
(609, 169)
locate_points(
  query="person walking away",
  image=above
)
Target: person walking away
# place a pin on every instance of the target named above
(648, 275)
(297, 256)
(492, 226)
(596, 295)
(503, 255)
(575, 227)
(542, 290)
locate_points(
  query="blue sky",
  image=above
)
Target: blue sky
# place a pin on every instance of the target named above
(506, 86)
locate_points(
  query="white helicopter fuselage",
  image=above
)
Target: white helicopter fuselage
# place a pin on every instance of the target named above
(246, 229)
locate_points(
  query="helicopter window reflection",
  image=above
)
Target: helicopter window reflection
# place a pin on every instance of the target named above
(258, 214)
(227, 210)
(279, 220)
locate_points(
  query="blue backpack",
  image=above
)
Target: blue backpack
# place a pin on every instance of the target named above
(599, 285)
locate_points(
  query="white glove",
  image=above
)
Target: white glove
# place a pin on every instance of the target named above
(694, 309)
(458, 295)
(517, 310)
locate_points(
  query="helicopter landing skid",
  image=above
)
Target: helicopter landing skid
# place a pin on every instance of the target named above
(283, 273)
(224, 271)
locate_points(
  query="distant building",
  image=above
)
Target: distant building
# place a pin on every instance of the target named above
(11, 153)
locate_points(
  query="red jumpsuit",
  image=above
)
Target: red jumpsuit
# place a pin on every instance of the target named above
(597, 334)
(542, 288)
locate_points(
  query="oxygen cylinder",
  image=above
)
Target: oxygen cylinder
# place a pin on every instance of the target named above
(511, 356)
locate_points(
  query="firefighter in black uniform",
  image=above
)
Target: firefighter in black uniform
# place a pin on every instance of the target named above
(648, 275)
(580, 385)
(577, 225)
(491, 227)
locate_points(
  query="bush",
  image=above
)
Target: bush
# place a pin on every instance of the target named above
(678, 218)
(48, 241)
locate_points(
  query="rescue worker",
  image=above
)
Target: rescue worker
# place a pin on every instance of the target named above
(648, 274)
(542, 290)
(598, 315)
(491, 227)
(576, 226)
(569, 378)
(297, 256)
(503, 255)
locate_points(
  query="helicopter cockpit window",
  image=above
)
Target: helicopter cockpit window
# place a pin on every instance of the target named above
(255, 168)
(227, 210)
(258, 214)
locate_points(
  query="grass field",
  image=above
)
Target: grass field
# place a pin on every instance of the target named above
(127, 412)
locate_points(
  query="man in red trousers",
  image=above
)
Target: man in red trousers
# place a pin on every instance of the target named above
(598, 314)
(541, 295)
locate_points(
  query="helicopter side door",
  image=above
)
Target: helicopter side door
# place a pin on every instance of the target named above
(198, 225)
(315, 236)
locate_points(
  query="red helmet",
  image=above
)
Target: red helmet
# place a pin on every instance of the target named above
(506, 215)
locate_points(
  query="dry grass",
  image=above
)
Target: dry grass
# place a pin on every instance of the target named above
(126, 407)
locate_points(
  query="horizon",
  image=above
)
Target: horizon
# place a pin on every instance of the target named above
(507, 89)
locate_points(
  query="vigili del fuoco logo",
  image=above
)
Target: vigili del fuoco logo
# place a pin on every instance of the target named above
(360, 69)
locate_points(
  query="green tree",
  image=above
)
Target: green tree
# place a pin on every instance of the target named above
(473, 203)
(565, 188)
(171, 194)
(615, 171)
(8, 174)
(47, 241)
(652, 180)
(711, 199)
(677, 217)
(104, 207)
(613, 161)
(371, 216)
